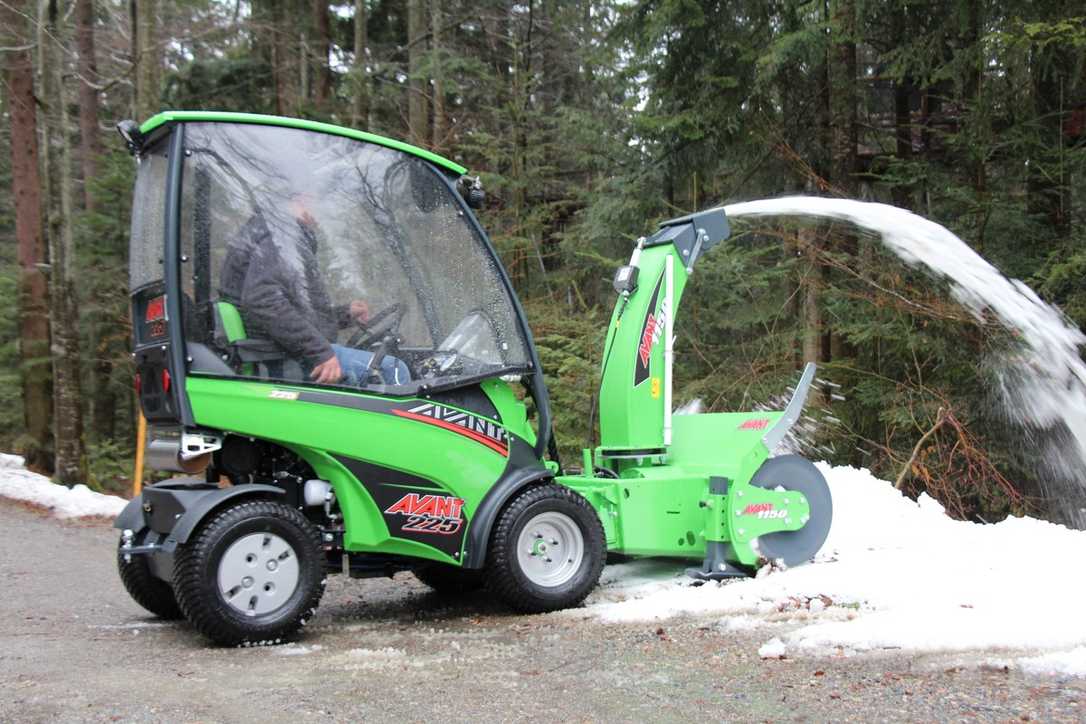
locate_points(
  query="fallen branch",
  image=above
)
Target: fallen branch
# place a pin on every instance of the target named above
(939, 420)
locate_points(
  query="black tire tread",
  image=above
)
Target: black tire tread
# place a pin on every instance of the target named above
(501, 556)
(150, 592)
(192, 595)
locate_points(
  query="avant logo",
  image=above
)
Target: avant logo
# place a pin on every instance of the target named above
(757, 424)
(438, 514)
(651, 331)
(764, 510)
(463, 423)
(654, 329)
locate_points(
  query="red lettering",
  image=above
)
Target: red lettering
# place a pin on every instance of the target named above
(755, 508)
(646, 340)
(426, 506)
(405, 505)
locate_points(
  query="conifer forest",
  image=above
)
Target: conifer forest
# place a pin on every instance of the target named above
(590, 121)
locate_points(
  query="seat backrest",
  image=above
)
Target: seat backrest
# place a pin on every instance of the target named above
(228, 325)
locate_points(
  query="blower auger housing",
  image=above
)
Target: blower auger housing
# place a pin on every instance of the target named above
(332, 358)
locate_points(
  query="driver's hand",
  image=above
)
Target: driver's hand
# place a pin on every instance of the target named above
(327, 372)
(359, 311)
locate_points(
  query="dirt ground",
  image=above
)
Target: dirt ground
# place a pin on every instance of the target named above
(74, 647)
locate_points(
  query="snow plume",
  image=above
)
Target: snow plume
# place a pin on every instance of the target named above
(893, 574)
(1043, 385)
(19, 483)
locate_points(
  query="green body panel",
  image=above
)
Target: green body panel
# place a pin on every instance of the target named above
(222, 116)
(662, 506)
(632, 415)
(511, 409)
(317, 432)
(231, 321)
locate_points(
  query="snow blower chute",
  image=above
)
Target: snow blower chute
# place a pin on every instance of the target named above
(329, 349)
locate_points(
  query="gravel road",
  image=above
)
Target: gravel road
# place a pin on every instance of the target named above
(73, 647)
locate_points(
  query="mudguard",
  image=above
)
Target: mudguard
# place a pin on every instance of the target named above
(131, 518)
(524, 469)
(212, 500)
(176, 507)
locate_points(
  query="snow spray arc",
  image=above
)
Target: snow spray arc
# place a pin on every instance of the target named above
(1042, 387)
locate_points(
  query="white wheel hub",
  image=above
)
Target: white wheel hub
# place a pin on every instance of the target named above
(258, 573)
(550, 549)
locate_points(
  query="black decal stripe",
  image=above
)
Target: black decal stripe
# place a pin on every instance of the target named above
(641, 371)
(387, 485)
(369, 404)
(466, 424)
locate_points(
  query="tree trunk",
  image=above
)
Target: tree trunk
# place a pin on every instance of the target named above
(68, 427)
(89, 143)
(1048, 181)
(903, 133)
(812, 292)
(148, 60)
(322, 48)
(26, 182)
(134, 54)
(360, 106)
(436, 20)
(843, 97)
(417, 106)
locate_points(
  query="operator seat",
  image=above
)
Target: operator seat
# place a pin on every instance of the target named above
(250, 357)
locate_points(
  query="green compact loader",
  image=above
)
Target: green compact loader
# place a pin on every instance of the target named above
(333, 360)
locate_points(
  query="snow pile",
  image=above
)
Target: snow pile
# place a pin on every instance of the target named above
(19, 483)
(894, 574)
(1060, 663)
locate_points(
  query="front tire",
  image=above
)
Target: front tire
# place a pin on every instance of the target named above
(252, 574)
(145, 588)
(547, 550)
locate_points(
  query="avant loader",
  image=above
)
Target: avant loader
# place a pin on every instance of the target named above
(332, 359)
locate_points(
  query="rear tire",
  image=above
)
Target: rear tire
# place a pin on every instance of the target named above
(145, 588)
(450, 580)
(252, 574)
(547, 550)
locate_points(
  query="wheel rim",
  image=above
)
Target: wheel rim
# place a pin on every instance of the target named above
(258, 574)
(550, 549)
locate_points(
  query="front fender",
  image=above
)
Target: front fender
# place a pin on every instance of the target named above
(524, 469)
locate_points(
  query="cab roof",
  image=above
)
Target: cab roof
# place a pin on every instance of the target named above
(227, 117)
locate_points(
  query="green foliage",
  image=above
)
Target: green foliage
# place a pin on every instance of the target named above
(109, 466)
(590, 122)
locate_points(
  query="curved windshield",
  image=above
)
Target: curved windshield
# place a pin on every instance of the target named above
(318, 258)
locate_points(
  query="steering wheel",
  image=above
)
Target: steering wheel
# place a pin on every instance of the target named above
(374, 329)
(381, 329)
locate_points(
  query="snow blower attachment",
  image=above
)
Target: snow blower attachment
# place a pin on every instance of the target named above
(327, 345)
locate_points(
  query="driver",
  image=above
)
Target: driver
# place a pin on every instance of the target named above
(277, 283)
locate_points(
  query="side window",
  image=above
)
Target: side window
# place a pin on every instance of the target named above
(147, 238)
(312, 257)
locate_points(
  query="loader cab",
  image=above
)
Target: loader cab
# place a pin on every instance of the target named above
(259, 242)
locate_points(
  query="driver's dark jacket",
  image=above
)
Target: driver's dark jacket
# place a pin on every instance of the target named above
(277, 286)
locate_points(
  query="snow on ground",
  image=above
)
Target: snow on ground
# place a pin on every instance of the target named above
(894, 574)
(19, 483)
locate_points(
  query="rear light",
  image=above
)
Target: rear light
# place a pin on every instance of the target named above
(165, 380)
(156, 309)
